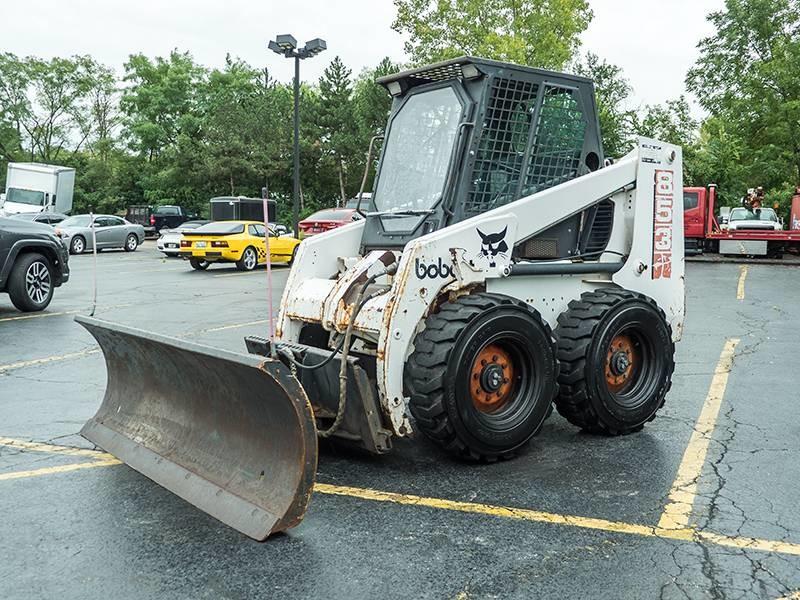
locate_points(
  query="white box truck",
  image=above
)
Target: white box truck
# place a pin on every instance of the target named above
(34, 187)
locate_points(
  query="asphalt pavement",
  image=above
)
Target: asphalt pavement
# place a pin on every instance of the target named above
(701, 504)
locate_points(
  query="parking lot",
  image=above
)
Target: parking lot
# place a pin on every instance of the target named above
(701, 504)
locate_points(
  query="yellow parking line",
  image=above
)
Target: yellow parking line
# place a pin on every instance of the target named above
(524, 514)
(54, 449)
(237, 274)
(62, 313)
(47, 359)
(262, 271)
(747, 543)
(740, 287)
(59, 469)
(40, 315)
(505, 512)
(59, 357)
(234, 326)
(684, 489)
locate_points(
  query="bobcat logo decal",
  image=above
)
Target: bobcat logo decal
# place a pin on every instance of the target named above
(493, 245)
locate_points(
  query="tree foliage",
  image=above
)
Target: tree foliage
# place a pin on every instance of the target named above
(539, 33)
(172, 131)
(748, 78)
(618, 121)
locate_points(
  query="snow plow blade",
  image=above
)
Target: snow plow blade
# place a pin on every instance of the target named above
(233, 434)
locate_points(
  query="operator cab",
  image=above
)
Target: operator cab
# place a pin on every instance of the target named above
(468, 135)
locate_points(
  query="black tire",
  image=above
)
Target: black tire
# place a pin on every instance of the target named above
(131, 243)
(245, 263)
(445, 364)
(77, 245)
(616, 357)
(294, 255)
(30, 285)
(199, 265)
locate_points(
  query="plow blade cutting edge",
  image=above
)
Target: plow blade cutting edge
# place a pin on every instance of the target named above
(233, 434)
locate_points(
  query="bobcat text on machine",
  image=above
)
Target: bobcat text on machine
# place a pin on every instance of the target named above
(500, 268)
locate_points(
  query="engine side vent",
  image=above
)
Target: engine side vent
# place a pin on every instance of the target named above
(539, 248)
(603, 224)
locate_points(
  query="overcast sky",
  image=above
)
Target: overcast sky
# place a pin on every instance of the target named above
(652, 40)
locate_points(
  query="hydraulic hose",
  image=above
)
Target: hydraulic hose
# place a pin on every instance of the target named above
(344, 346)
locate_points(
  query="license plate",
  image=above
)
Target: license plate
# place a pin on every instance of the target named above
(172, 245)
(200, 245)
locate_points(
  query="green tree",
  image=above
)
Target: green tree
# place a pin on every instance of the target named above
(618, 121)
(161, 101)
(748, 78)
(540, 33)
(337, 124)
(46, 105)
(372, 104)
(673, 122)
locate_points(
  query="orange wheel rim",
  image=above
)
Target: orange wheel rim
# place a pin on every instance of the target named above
(491, 379)
(622, 363)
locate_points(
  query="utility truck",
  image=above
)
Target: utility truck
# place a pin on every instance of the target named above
(502, 266)
(35, 187)
(747, 232)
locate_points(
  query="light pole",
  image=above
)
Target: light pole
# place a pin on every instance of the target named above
(286, 45)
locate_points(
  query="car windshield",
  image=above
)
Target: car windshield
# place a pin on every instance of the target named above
(167, 210)
(353, 202)
(25, 216)
(76, 221)
(191, 225)
(21, 196)
(330, 215)
(759, 214)
(417, 156)
(220, 228)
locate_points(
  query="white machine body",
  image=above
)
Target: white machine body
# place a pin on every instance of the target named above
(646, 242)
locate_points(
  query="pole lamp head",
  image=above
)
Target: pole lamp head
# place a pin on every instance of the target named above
(286, 42)
(315, 46)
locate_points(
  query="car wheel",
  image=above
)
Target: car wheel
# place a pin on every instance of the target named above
(77, 245)
(199, 265)
(249, 260)
(131, 243)
(30, 285)
(294, 255)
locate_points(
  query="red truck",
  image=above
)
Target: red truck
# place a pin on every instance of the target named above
(755, 233)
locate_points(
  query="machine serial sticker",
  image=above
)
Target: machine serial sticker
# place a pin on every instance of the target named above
(662, 225)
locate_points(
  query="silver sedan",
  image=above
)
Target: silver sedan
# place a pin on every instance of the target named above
(110, 231)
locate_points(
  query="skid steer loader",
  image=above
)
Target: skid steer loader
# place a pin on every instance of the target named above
(502, 266)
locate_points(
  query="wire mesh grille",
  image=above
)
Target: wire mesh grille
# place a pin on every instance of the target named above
(501, 149)
(558, 143)
(438, 72)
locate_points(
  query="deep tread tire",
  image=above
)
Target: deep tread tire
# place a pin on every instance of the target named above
(17, 285)
(435, 377)
(583, 332)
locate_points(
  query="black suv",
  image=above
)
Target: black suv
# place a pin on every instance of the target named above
(33, 262)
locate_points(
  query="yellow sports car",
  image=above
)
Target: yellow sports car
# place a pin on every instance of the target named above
(240, 242)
